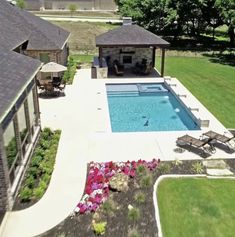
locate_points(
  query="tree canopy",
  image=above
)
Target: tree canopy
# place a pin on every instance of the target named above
(176, 17)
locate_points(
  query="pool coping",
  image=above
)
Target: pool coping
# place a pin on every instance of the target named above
(155, 200)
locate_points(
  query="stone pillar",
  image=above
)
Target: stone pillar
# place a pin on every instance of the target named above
(4, 177)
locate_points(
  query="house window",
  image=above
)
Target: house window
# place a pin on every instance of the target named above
(44, 57)
(127, 59)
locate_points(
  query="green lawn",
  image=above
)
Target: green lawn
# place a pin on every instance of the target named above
(197, 207)
(212, 83)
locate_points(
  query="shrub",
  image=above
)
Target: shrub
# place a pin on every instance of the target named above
(109, 206)
(38, 192)
(41, 166)
(33, 171)
(99, 228)
(146, 181)
(197, 168)
(140, 197)
(134, 214)
(164, 168)
(133, 233)
(29, 182)
(26, 194)
(140, 170)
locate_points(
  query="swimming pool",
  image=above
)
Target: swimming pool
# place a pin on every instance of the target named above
(146, 107)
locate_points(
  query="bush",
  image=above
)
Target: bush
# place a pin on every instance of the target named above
(141, 170)
(146, 181)
(26, 194)
(164, 168)
(41, 165)
(133, 233)
(109, 206)
(140, 197)
(99, 228)
(134, 214)
(71, 70)
(38, 192)
(30, 181)
(197, 168)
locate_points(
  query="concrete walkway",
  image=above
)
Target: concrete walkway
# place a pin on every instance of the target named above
(68, 179)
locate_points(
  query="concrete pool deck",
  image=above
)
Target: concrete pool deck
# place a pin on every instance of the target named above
(86, 136)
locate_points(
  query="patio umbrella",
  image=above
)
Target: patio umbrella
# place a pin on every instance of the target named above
(53, 67)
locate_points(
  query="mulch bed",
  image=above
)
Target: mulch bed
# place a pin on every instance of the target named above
(118, 223)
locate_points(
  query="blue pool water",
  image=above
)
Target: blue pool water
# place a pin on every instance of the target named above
(146, 107)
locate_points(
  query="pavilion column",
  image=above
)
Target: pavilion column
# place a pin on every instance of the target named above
(100, 56)
(154, 56)
(163, 62)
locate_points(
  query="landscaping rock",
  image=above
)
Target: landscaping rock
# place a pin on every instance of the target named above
(219, 172)
(215, 164)
(119, 182)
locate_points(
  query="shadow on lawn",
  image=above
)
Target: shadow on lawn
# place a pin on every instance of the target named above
(225, 59)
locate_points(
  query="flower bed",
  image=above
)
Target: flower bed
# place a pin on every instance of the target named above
(98, 178)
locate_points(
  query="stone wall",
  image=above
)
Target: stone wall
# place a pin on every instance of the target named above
(137, 54)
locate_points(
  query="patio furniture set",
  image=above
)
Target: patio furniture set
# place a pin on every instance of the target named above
(51, 87)
(140, 68)
(206, 144)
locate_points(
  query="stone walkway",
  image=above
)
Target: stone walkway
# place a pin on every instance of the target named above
(217, 168)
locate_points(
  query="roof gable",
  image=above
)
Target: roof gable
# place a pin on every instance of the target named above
(130, 35)
(16, 71)
(42, 35)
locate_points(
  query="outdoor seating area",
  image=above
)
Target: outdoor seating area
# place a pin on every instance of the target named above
(207, 142)
(51, 85)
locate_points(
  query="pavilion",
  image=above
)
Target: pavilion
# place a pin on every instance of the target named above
(129, 44)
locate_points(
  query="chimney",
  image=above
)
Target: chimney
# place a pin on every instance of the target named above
(127, 21)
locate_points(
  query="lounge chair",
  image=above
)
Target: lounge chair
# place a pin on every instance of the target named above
(220, 138)
(205, 144)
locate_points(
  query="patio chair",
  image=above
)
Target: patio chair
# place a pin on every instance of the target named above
(147, 69)
(220, 138)
(56, 81)
(118, 68)
(39, 85)
(205, 145)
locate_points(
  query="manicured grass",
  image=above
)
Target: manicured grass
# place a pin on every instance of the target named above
(197, 207)
(83, 58)
(212, 83)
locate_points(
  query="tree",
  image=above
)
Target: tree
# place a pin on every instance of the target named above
(21, 4)
(227, 9)
(72, 8)
(211, 14)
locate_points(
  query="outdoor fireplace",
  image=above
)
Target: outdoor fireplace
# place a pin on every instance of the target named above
(127, 59)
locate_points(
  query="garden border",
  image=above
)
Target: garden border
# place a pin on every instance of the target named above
(155, 201)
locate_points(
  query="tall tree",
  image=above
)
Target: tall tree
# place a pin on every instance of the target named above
(72, 8)
(227, 8)
(211, 14)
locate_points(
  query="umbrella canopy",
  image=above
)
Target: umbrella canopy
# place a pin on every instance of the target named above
(53, 67)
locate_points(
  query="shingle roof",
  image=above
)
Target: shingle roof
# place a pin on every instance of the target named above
(130, 35)
(16, 70)
(17, 25)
